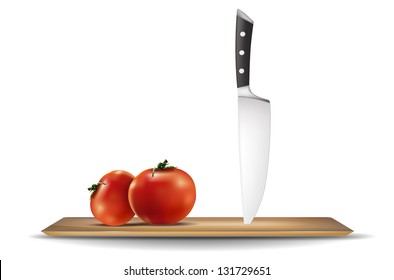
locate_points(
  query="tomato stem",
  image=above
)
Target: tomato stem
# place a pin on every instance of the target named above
(162, 166)
(94, 187)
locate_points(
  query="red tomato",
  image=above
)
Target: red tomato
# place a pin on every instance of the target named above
(163, 197)
(109, 200)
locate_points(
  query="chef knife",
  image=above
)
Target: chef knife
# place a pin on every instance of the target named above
(254, 121)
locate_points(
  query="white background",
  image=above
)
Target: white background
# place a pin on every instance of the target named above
(87, 87)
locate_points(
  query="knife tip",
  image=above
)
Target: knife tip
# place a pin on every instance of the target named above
(248, 220)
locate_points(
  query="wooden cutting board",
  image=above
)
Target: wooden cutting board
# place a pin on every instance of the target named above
(202, 227)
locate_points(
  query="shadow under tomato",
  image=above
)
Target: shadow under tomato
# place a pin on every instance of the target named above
(171, 225)
(146, 224)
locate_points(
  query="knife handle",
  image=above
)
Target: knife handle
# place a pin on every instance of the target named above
(243, 40)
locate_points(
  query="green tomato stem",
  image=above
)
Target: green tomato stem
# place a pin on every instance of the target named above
(94, 187)
(162, 166)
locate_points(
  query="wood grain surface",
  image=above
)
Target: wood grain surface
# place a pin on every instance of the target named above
(203, 227)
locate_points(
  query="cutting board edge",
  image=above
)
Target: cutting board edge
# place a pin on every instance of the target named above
(240, 234)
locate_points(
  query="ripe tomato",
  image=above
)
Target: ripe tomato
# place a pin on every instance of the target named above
(109, 200)
(163, 195)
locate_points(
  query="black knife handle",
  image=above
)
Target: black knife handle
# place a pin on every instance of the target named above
(243, 40)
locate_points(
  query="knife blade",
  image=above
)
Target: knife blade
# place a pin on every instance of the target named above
(254, 125)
